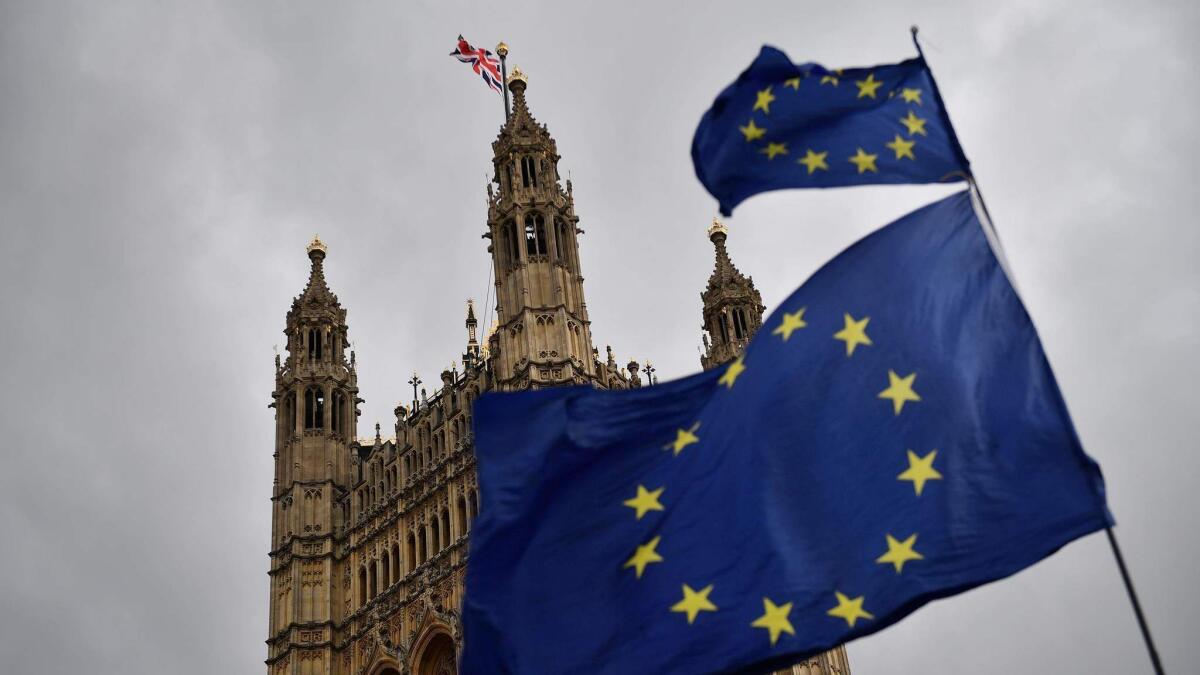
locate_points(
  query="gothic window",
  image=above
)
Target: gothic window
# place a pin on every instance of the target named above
(509, 233)
(723, 324)
(446, 526)
(412, 552)
(408, 465)
(535, 234)
(560, 239)
(314, 344)
(462, 515)
(739, 323)
(373, 582)
(529, 171)
(314, 408)
(508, 175)
(473, 505)
(338, 411)
(385, 566)
(362, 585)
(435, 539)
(421, 545)
(289, 412)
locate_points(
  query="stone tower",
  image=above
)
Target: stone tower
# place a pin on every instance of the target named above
(315, 401)
(733, 308)
(544, 336)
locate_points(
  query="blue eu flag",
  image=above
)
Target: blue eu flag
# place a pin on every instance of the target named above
(891, 436)
(783, 125)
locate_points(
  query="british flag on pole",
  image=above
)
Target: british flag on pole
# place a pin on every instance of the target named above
(483, 62)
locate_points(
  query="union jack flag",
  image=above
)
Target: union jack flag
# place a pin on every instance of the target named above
(483, 62)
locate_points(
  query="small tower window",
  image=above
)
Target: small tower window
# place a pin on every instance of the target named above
(314, 344)
(723, 324)
(314, 408)
(338, 411)
(529, 171)
(510, 242)
(739, 323)
(560, 239)
(412, 552)
(535, 234)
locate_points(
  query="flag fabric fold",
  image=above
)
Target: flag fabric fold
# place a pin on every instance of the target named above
(892, 435)
(784, 125)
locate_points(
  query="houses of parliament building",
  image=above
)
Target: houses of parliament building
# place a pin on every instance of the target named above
(369, 536)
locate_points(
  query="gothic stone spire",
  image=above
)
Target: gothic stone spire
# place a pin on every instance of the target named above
(732, 305)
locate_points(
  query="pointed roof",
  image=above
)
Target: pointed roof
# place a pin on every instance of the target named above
(316, 293)
(521, 129)
(725, 274)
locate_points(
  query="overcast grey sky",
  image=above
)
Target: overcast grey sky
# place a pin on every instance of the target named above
(162, 167)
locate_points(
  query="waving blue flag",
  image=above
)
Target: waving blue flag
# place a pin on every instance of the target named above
(783, 125)
(891, 436)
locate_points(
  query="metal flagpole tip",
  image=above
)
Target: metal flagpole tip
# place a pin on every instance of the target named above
(914, 28)
(502, 49)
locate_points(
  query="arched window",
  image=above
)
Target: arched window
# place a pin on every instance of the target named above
(314, 344)
(397, 569)
(446, 526)
(422, 549)
(510, 242)
(289, 413)
(739, 323)
(362, 585)
(385, 569)
(434, 537)
(529, 172)
(473, 505)
(412, 552)
(535, 234)
(314, 408)
(338, 411)
(373, 580)
(560, 239)
(462, 515)
(723, 324)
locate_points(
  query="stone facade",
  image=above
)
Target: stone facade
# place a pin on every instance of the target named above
(369, 538)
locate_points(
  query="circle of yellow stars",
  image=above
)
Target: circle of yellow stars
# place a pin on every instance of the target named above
(813, 160)
(775, 619)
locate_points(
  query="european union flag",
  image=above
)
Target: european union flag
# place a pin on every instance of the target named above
(783, 125)
(891, 436)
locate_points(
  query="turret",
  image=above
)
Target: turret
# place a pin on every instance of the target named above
(544, 335)
(733, 308)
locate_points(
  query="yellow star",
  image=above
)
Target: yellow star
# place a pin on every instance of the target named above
(915, 124)
(794, 83)
(764, 101)
(791, 322)
(831, 79)
(868, 86)
(900, 390)
(646, 500)
(683, 438)
(694, 602)
(814, 160)
(732, 372)
(644, 556)
(775, 619)
(920, 470)
(773, 149)
(900, 552)
(850, 610)
(911, 95)
(752, 132)
(902, 147)
(854, 334)
(864, 161)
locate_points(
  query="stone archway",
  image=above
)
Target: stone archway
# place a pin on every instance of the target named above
(438, 657)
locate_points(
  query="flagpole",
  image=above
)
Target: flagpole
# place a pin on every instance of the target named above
(1133, 600)
(974, 185)
(502, 50)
